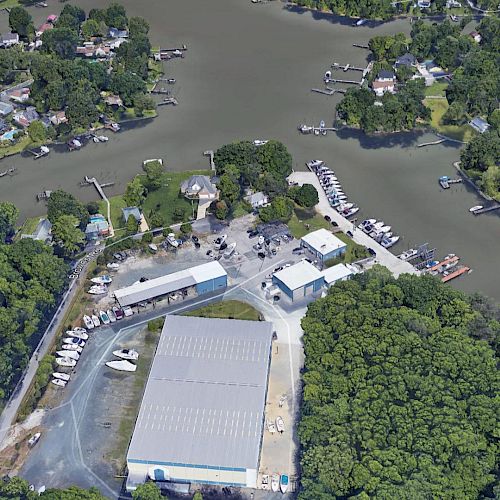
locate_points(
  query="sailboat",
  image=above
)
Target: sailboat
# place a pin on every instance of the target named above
(129, 354)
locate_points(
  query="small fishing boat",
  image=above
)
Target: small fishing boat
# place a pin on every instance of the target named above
(388, 242)
(34, 439)
(98, 290)
(62, 376)
(68, 354)
(283, 483)
(96, 320)
(367, 222)
(344, 206)
(264, 484)
(271, 427)
(153, 247)
(89, 324)
(79, 329)
(280, 425)
(103, 138)
(111, 315)
(230, 250)
(314, 164)
(129, 354)
(66, 362)
(322, 124)
(385, 229)
(104, 318)
(72, 347)
(275, 482)
(74, 341)
(475, 208)
(122, 365)
(350, 212)
(105, 279)
(59, 382)
(118, 312)
(77, 335)
(113, 266)
(259, 142)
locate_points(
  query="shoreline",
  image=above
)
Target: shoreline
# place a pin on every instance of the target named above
(466, 177)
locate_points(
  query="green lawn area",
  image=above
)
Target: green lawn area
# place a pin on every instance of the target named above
(168, 198)
(437, 88)
(20, 146)
(117, 203)
(438, 108)
(230, 309)
(29, 225)
(8, 4)
(241, 208)
(354, 251)
(304, 221)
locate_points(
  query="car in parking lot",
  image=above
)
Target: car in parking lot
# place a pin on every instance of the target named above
(261, 255)
(298, 251)
(328, 218)
(349, 233)
(194, 238)
(372, 252)
(253, 233)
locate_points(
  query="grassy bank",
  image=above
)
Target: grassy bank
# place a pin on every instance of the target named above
(229, 309)
(305, 220)
(16, 148)
(438, 108)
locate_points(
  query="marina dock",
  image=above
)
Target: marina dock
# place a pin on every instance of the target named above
(210, 154)
(452, 259)
(456, 274)
(445, 182)
(346, 67)
(433, 143)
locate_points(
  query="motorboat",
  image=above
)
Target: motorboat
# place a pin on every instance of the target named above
(153, 247)
(68, 354)
(34, 439)
(59, 382)
(79, 329)
(72, 347)
(230, 250)
(412, 252)
(350, 212)
(111, 315)
(122, 365)
(342, 196)
(117, 312)
(367, 222)
(271, 427)
(104, 318)
(103, 138)
(171, 240)
(305, 129)
(475, 208)
(89, 324)
(129, 354)
(280, 425)
(385, 229)
(127, 311)
(96, 320)
(113, 266)
(98, 290)
(388, 242)
(275, 482)
(264, 484)
(259, 142)
(62, 376)
(220, 240)
(283, 483)
(66, 362)
(105, 279)
(378, 225)
(74, 341)
(314, 164)
(345, 206)
(77, 335)
(322, 124)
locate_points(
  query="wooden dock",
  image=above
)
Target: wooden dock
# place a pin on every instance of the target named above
(456, 274)
(210, 154)
(439, 265)
(336, 80)
(93, 180)
(433, 143)
(485, 210)
(360, 46)
(346, 67)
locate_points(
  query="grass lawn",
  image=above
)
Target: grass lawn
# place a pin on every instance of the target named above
(304, 221)
(29, 225)
(230, 309)
(167, 199)
(354, 251)
(241, 208)
(117, 203)
(438, 108)
(438, 88)
(20, 146)
(8, 4)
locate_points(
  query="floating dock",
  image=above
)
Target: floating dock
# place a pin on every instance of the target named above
(361, 46)
(433, 143)
(329, 91)
(452, 259)
(445, 182)
(39, 152)
(485, 210)
(456, 274)
(44, 195)
(346, 67)
(9, 171)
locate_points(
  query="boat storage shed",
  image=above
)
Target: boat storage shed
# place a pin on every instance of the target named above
(340, 272)
(205, 278)
(202, 413)
(323, 245)
(299, 280)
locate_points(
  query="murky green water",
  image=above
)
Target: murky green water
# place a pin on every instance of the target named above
(248, 74)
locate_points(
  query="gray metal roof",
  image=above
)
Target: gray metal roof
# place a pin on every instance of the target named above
(205, 397)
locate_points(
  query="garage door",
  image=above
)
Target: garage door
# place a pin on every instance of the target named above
(298, 293)
(309, 289)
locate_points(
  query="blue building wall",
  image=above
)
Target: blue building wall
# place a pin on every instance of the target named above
(282, 287)
(328, 256)
(211, 285)
(317, 285)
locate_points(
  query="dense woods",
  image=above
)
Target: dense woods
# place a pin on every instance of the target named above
(400, 392)
(17, 488)
(378, 9)
(31, 279)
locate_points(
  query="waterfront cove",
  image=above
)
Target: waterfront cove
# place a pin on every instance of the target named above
(247, 74)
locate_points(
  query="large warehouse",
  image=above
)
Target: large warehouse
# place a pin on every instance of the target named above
(201, 279)
(323, 245)
(299, 280)
(202, 414)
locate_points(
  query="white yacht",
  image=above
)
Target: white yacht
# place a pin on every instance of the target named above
(62, 376)
(68, 354)
(129, 354)
(122, 365)
(388, 242)
(89, 324)
(475, 208)
(313, 164)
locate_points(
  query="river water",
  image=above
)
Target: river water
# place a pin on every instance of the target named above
(248, 74)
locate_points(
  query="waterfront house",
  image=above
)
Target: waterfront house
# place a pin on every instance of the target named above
(199, 187)
(58, 117)
(385, 82)
(26, 116)
(479, 125)
(115, 43)
(19, 95)
(6, 108)
(475, 36)
(407, 59)
(97, 227)
(8, 40)
(132, 212)
(43, 28)
(43, 232)
(116, 33)
(113, 100)
(257, 200)
(323, 245)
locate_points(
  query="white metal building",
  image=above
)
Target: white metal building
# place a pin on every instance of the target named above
(299, 280)
(202, 414)
(323, 245)
(340, 272)
(204, 278)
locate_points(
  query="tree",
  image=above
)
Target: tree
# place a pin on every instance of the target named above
(455, 114)
(81, 110)
(137, 26)
(20, 22)
(238, 153)
(60, 41)
(91, 28)
(127, 85)
(135, 193)
(156, 220)
(221, 210)
(481, 152)
(154, 174)
(73, 11)
(197, 495)
(186, 228)
(37, 131)
(147, 491)
(305, 195)
(63, 203)
(143, 102)
(281, 208)
(67, 235)
(229, 188)
(132, 225)
(275, 158)
(116, 16)
(92, 207)
(8, 217)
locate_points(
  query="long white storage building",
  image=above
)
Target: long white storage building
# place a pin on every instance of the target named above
(202, 414)
(204, 278)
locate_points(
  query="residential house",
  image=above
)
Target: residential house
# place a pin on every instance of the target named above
(424, 73)
(8, 40)
(52, 18)
(257, 200)
(116, 33)
(6, 108)
(43, 232)
(475, 36)
(132, 211)
(3, 126)
(200, 187)
(479, 125)
(407, 59)
(424, 4)
(115, 43)
(97, 227)
(19, 95)
(58, 117)
(113, 100)
(26, 116)
(385, 82)
(43, 28)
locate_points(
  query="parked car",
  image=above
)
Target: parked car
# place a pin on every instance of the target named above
(194, 238)
(372, 252)
(253, 233)
(328, 218)
(349, 233)
(276, 298)
(297, 251)
(261, 255)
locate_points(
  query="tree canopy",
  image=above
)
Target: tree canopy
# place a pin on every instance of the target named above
(305, 195)
(400, 398)
(63, 203)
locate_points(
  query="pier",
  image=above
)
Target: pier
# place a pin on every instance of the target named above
(336, 80)
(433, 143)
(346, 67)
(210, 154)
(168, 100)
(329, 91)
(445, 182)
(10, 171)
(93, 180)
(360, 46)
(44, 195)
(456, 274)
(39, 152)
(485, 210)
